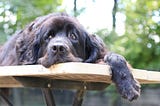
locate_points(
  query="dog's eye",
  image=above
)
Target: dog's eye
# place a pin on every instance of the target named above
(50, 37)
(72, 36)
(47, 38)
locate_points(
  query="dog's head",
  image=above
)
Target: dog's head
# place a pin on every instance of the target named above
(59, 38)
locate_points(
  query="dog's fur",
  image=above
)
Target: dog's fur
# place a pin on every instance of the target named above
(58, 38)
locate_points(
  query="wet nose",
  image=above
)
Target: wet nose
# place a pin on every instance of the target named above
(59, 48)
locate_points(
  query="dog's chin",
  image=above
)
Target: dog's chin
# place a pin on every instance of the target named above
(47, 61)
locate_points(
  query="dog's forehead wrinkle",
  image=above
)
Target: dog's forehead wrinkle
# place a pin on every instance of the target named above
(60, 40)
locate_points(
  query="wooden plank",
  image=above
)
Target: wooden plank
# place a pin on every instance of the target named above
(60, 83)
(146, 77)
(9, 82)
(79, 72)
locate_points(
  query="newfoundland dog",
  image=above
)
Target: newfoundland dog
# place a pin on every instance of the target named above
(58, 38)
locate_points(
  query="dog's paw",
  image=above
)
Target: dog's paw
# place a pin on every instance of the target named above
(127, 86)
(129, 89)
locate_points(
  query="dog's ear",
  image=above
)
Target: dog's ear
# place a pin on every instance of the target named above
(35, 50)
(28, 45)
(38, 32)
(95, 47)
(39, 42)
(24, 48)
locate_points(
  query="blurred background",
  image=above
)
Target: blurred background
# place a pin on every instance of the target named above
(128, 27)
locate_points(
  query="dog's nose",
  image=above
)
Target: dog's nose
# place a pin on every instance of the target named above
(59, 48)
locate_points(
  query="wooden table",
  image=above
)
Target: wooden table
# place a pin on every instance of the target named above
(81, 76)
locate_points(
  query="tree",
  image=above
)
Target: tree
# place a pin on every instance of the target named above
(141, 42)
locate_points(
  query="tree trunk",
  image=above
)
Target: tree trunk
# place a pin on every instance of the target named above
(114, 14)
(75, 8)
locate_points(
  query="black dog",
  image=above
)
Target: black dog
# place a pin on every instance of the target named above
(58, 38)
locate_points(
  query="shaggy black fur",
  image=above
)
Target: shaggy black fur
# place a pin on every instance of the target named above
(58, 38)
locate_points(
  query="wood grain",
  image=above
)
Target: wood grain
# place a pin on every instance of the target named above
(80, 72)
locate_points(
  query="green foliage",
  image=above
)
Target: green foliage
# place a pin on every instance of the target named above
(2, 37)
(141, 42)
(15, 14)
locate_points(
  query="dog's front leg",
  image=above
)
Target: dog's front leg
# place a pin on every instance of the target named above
(127, 86)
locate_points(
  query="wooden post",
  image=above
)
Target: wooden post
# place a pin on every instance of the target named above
(78, 100)
(9, 103)
(48, 96)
